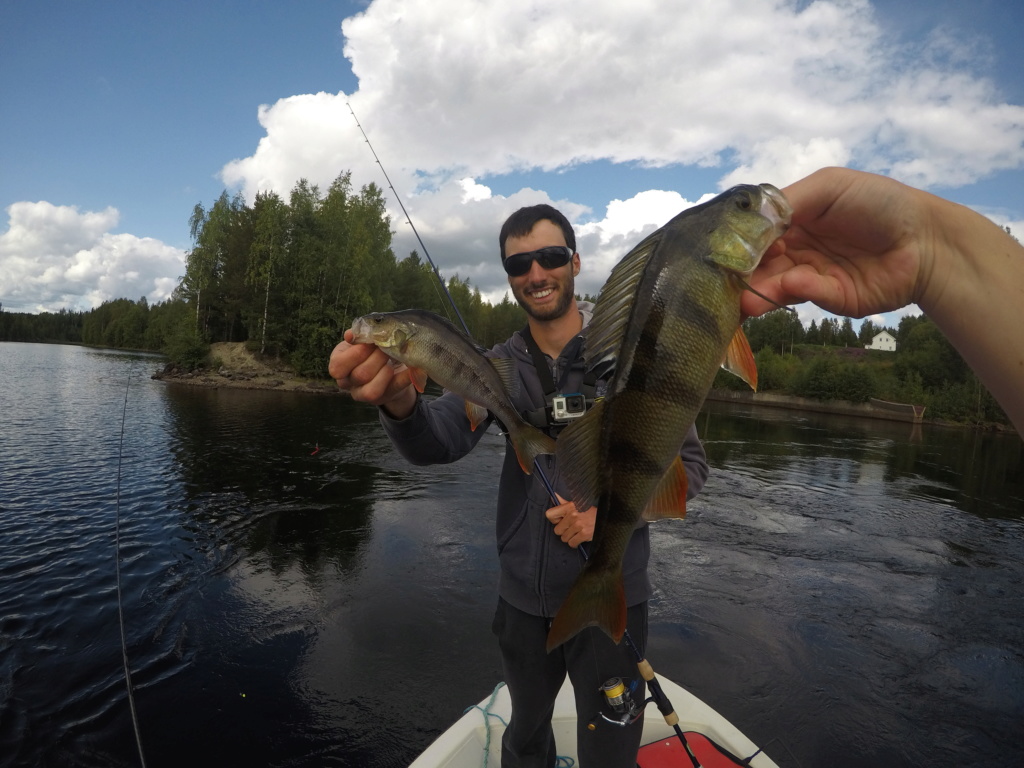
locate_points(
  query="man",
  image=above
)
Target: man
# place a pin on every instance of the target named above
(537, 541)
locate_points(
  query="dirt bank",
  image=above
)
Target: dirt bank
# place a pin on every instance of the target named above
(232, 365)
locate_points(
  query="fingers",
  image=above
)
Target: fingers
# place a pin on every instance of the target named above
(366, 373)
(572, 527)
(556, 514)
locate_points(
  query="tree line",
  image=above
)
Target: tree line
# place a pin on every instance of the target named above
(829, 361)
(285, 276)
(288, 277)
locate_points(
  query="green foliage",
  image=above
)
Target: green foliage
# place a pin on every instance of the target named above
(310, 358)
(773, 371)
(847, 337)
(779, 330)
(63, 326)
(186, 348)
(827, 378)
(120, 323)
(868, 331)
(925, 369)
(923, 349)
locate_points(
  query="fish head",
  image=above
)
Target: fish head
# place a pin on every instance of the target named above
(750, 219)
(388, 330)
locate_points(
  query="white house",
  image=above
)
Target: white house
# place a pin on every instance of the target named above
(883, 341)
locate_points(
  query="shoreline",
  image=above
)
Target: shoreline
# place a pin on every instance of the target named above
(234, 366)
(227, 379)
(901, 412)
(231, 365)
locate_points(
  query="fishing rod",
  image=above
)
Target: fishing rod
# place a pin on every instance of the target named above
(408, 219)
(117, 572)
(646, 671)
(536, 462)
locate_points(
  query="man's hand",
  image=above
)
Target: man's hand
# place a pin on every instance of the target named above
(371, 377)
(571, 526)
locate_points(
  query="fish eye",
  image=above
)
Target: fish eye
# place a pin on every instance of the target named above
(744, 202)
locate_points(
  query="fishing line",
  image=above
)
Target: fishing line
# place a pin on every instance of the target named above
(117, 571)
(770, 301)
(536, 462)
(408, 219)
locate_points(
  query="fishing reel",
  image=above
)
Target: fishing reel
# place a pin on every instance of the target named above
(619, 700)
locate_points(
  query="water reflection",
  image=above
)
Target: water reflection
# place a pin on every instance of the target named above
(977, 472)
(270, 475)
(287, 605)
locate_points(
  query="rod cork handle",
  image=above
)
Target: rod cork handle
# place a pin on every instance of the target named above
(664, 705)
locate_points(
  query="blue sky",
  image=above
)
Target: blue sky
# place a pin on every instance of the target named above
(119, 117)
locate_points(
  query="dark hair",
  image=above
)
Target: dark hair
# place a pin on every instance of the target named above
(522, 221)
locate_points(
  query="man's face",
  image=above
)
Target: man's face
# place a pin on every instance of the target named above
(545, 294)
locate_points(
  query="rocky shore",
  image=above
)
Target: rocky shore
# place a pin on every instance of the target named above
(232, 365)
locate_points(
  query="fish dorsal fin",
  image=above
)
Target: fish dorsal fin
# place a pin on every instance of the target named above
(508, 373)
(418, 377)
(578, 453)
(476, 414)
(612, 310)
(669, 499)
(739, 360)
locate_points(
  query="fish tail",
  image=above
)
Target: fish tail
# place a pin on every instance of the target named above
(529, 443)
(597, 599)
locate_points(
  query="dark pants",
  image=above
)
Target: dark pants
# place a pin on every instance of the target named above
(534, 676)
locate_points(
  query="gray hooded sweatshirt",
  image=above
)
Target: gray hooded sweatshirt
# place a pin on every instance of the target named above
(537, 568)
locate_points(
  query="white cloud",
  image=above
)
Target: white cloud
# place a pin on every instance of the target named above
(781, 88)
(455, 92)
(784, 161)
(53, 257)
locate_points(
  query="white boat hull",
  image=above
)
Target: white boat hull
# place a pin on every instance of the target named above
(462, 745)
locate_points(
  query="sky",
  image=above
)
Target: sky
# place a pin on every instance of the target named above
(119, 117)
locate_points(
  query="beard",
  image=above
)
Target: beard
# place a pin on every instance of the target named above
(564, 288)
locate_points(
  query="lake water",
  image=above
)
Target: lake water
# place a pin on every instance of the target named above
(296, 594)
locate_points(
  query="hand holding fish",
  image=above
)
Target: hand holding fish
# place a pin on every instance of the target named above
(370, 376)
(862, 244)
(572, 526)
(857, 245)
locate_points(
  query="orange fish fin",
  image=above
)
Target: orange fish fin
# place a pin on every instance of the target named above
(418, 377)
(579, 456)
(529, 443)
(739, 360)
(476, 414)
(597, 599)
(669, 499)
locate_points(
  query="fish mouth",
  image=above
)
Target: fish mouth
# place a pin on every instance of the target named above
(360, 330)
(776, 207)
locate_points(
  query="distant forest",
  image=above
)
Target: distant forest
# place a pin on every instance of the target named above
(289, 277)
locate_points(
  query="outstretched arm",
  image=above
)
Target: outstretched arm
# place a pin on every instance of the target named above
(862, 244)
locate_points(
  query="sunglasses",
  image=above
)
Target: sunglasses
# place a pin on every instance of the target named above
(552, 257)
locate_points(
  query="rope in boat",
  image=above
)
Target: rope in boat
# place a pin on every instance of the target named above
(117, 571)
(486, 709)
(561, 761)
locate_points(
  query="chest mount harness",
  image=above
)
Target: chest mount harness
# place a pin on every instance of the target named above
(560, 408)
